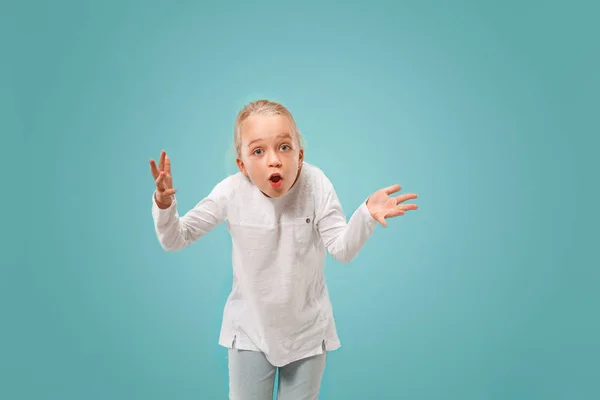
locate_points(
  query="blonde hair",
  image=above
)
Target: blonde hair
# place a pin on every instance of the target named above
(266, 108)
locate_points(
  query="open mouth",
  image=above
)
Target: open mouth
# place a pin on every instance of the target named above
(275, 180)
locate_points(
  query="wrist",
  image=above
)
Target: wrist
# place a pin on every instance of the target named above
(369, 207)
(163, 204)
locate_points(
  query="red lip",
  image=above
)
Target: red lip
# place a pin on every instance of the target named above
(275, 180)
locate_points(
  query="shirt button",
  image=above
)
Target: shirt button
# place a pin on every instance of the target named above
(307, 220)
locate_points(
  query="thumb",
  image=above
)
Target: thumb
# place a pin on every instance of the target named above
(381, 220)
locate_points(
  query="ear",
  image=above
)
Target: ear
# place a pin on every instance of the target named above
(300, 157)
(241, 167)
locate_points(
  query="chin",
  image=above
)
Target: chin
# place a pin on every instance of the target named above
(274, 193)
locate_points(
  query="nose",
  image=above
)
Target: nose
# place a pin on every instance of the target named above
(273, 160)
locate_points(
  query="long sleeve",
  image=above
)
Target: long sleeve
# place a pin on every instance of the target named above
(176, 233)
(342, 239)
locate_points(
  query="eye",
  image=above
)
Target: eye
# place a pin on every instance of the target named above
(257, 152)
(285, 147)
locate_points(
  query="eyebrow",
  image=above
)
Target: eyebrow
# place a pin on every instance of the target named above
(285, 135)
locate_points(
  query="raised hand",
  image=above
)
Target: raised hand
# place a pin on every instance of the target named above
(382, 206)
(164, 181)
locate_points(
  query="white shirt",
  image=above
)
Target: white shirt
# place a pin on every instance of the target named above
(279, 303)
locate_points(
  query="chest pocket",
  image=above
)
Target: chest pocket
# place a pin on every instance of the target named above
(304, 229)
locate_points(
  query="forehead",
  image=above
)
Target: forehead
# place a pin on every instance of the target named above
(265, 127)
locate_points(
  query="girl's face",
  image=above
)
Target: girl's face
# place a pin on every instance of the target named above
(270, 156)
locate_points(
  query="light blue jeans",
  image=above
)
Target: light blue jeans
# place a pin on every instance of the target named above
(252, 377)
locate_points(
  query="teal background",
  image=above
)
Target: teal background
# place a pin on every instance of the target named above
(487, 110)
